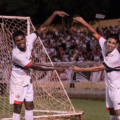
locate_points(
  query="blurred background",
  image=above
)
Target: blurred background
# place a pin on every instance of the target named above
(39, 10)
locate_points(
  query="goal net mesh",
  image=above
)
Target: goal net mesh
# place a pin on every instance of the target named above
(50, 96)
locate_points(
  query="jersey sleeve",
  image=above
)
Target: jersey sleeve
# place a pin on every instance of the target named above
(21, 61)
(101, 41)
(32, 37)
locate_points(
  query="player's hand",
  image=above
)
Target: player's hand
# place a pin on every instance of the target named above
(42, 29)
(79, 19)
(60, 13)
(75, 68)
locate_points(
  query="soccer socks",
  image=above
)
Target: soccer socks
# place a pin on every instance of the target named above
(16, 116)
(28, 114)
(118, 117)
(113, 117)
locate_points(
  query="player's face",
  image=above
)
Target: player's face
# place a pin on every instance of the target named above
(111, 44)
(20, 41)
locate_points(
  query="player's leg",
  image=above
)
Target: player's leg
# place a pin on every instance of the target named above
(116, 102)
(113, 102)
(110, 105)
(113, 115)
(17, 111)
(29, 103)
(15, 99)
(118, 114)
(29, 110)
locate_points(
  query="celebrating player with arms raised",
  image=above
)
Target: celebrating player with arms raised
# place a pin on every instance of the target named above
(21, 89)
(111, 65)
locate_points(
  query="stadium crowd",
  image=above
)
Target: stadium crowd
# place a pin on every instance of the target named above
(70, 45)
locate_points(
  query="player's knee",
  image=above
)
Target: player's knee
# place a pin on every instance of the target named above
(29, 105)
(17, 108)
(112, 112)
(118, 112)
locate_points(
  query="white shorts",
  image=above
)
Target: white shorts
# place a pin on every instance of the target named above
(113, 99)
(20, 93)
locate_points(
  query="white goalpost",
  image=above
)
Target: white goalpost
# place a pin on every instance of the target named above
(50, 97)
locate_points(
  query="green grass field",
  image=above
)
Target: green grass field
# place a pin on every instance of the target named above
(93, 109)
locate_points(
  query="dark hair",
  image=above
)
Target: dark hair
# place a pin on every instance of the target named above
(17, 33)
(114, 36)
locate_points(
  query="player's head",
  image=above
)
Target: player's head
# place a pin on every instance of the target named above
(112, 43)
(19, 40)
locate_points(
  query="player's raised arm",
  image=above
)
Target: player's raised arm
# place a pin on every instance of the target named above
(90, 28)
(89, 69)
(50, 19)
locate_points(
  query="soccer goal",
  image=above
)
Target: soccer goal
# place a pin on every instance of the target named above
(50, 97)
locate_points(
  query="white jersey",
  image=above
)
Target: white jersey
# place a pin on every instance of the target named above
(21, 61)
(112, 63)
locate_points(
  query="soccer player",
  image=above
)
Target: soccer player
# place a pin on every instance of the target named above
(111, 65)
(21, 89)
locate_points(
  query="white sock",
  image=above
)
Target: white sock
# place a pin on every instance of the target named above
(113, 117)
(16, 116)
(118, 117)
(28, 114)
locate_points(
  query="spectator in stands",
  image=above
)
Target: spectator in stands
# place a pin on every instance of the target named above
(61, 52)
(80, 57)
(73, 55)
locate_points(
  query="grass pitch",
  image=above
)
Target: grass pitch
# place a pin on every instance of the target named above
(93, 110)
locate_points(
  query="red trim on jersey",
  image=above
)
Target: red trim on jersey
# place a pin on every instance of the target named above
(99, 37)
(109, 109)
(28, 65)
(117, 67)
(18, 102)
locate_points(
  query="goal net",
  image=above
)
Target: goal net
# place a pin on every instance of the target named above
(50, 97)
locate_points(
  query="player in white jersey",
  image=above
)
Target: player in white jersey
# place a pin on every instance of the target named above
(111, 65)
(21, 89)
